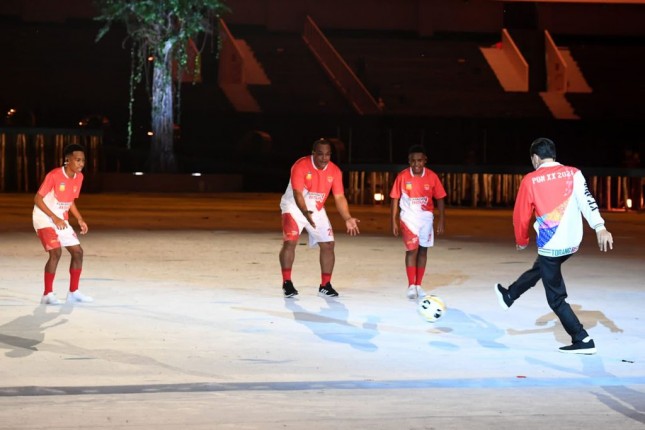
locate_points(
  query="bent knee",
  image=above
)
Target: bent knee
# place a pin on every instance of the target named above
(76, 252)
(327, 245)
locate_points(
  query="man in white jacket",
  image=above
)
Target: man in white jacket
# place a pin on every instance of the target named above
(557, 195)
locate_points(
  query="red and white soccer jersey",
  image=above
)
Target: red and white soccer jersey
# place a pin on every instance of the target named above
(59, 192)
(315, 185)
(415, 194)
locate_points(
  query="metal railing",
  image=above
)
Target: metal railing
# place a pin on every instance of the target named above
(494, 186)
(27, 154)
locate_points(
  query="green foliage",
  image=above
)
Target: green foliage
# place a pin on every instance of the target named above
(158, 28)
(156, 22)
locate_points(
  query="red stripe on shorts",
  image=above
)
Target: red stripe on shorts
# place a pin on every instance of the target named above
(49, 238)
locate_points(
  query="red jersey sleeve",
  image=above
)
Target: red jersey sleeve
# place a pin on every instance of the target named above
(47, 185)
(298, 173)
(438, 192)
(523, 213)
(395, 193)
(337, 187)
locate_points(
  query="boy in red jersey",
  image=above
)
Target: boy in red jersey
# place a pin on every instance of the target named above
(52, 203)
(413, 192)
(557, 195)
(303, 207)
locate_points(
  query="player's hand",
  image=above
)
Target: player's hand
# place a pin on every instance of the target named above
(395, 229)
(352, 226)
(59, 223)
(520, 247)
(605, 240)
(441, 227)
(310, 220)
(83, 226)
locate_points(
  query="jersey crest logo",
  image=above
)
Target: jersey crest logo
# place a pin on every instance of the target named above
(408, 186)
(330, 179)
(426, 187)
(61, 186)
(308, 177)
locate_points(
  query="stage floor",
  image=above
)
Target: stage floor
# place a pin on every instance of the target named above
(189, 328)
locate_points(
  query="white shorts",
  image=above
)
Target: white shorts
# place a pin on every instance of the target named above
(418, 231)
(294, 222)
(53, 238)
(49, 235)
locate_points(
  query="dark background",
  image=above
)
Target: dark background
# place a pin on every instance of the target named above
(55, 74)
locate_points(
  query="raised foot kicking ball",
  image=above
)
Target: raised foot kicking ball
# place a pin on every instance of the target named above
(431, 308)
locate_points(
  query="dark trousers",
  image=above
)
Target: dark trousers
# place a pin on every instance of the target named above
(548, 269)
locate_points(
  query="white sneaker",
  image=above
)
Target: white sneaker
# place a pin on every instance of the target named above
(78, 297)
(416, 292)
(49, 299)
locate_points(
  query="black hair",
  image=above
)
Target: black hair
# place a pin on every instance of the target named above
(321, 141)
(417, 148)
(71, 148)
(543, 148)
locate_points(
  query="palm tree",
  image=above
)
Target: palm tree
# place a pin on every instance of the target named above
(159, 31)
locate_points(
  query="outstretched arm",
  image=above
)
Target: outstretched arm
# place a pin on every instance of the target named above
(343, 209)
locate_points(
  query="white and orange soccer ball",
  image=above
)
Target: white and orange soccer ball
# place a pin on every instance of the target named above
(431, 308)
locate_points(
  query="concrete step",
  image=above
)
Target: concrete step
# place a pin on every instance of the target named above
(558, 105)
(576, 82)
(254, 73)
(240, 97)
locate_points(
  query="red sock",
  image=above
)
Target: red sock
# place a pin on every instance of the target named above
(420, 272)
(324, 278)
(286, 275)
(74, 278)
(412, 274)
(49, 282)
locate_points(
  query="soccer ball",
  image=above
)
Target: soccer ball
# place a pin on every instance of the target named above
(431, 308)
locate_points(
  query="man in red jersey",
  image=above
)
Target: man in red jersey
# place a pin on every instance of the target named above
(413, 192)
(52, 204)
(303, 207)
(556, 194)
